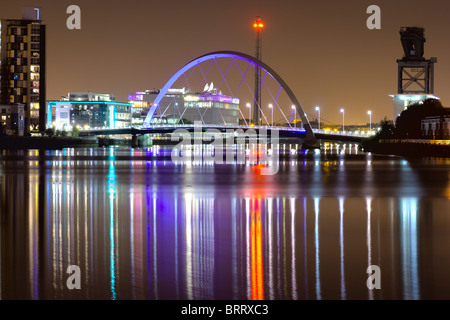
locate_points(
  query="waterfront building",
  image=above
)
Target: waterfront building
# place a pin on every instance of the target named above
(12, 119)
(437, 127)
(181, 106)
(142, 101)
(22, 66)
(88, 110)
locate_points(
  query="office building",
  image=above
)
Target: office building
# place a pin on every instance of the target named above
(142, 101)
(181, 106)
(88, 110)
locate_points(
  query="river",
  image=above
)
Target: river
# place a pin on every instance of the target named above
(143, 227)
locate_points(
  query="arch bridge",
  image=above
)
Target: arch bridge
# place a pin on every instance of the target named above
(235, 59)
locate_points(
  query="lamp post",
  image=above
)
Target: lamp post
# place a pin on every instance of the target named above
(343, 128)
(370, 120)
(271, 111)
(295, 116)
(318, 111)
(249, 106)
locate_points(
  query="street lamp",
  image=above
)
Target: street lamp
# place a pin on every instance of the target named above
(343, 128)
(271, 111)
(249, 106)
(318, 110)
(370, 120)
(295, 116)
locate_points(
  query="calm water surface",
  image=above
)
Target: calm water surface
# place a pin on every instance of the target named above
(140, 228)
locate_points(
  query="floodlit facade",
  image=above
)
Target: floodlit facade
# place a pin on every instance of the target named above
(183, 107)
(403, 101)
(88, 110)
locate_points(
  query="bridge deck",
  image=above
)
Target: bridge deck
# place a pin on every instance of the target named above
(282, 131)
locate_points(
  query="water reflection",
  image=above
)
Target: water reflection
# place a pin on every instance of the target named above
(369, 239)
(112, 225)
(316, 244)
(149, 229)
(341, 245)
(409, 248)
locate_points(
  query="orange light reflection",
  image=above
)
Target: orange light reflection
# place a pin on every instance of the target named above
(256, 238)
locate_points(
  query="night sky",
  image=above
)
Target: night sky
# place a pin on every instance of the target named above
(322, 49)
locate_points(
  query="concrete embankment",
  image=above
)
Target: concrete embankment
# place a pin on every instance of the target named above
(44, 143)
(412, 147)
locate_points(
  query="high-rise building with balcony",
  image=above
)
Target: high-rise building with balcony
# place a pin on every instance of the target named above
(22, 66)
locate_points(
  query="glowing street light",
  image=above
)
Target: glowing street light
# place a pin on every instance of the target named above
(271, 111)
(370, 119)
(295, 116)
(249, 106)
(318, 110)
(343, 128)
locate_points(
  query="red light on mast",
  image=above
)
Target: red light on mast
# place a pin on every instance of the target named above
(258, 25)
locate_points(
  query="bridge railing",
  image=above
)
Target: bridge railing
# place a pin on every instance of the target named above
(245, 127)
(345, 133)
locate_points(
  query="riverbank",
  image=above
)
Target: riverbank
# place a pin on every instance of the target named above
(410, 147)
(45, 143)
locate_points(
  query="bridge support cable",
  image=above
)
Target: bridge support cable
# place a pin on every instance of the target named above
(248, 86)
(243, 76)
(223, 77)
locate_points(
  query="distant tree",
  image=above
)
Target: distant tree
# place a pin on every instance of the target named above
(387, 129)
(409, 124)
(50, 132)
(75, 132)
(386, 132)
(63, 133)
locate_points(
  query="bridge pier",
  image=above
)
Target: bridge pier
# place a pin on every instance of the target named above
(134, 141)
(311, 144)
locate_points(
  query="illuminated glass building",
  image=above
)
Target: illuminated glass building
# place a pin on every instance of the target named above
(211, 108)
(181, 106)
(142, 101)
(88, 110)
(22, 69)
